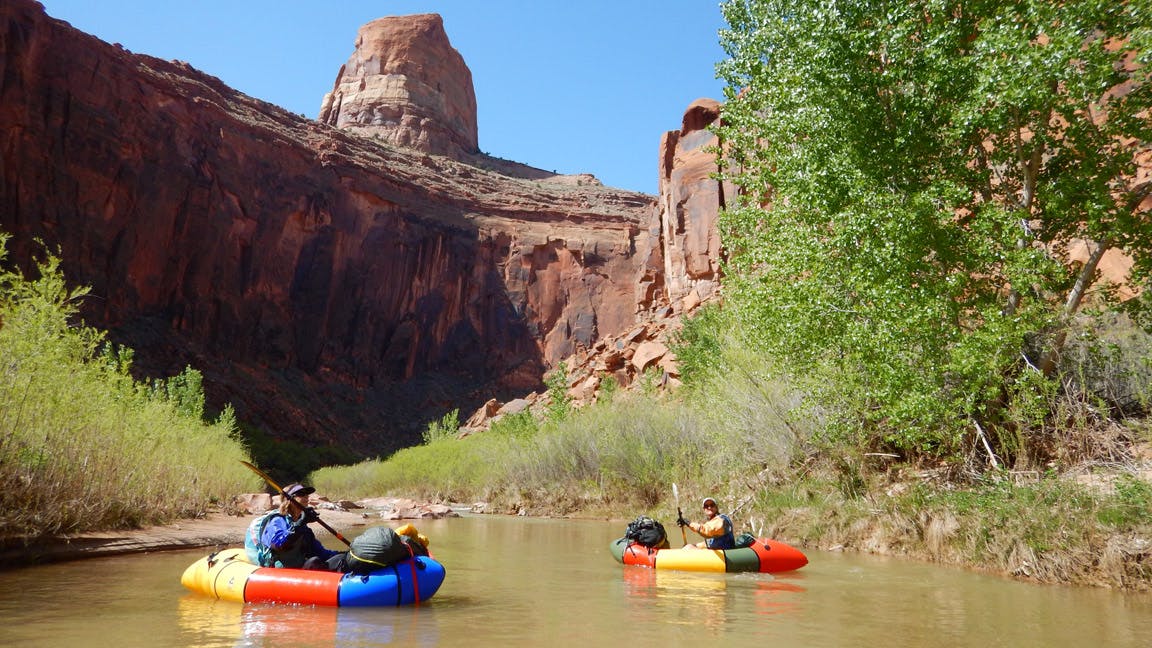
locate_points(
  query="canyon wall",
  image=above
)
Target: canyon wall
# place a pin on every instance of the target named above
(339, 281)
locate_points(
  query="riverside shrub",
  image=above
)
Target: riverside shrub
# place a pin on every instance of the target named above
(84, 446)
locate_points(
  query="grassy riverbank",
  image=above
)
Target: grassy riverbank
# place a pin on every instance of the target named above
(619, 461)
(85, 446)
(744, 440)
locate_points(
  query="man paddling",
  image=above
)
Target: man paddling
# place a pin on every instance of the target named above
(716, 529)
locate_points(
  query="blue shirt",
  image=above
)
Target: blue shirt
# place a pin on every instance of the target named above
(292, 544)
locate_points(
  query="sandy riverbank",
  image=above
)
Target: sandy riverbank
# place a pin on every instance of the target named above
(214, 529)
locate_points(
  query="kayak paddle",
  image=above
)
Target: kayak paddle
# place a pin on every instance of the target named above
(273, 484)
(679, 513)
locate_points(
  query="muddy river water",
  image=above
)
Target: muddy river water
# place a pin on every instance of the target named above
(553, 583)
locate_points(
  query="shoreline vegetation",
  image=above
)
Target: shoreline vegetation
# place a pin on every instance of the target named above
(85, 446)
(1089, 524)
(132, 454)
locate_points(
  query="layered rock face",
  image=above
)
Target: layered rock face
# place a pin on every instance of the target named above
(333, 289)
(406, 85)
(689, 202)
(683, 270)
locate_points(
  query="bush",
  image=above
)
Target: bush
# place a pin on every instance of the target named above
(83, 446)
(445, 428)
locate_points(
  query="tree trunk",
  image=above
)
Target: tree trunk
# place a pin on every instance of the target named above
(1085, 279)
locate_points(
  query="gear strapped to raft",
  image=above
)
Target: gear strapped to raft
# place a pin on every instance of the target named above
(646, 531)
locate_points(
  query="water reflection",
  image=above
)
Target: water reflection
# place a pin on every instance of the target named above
(207, 622)
(528, 582)
(705, 599)
(773, 595)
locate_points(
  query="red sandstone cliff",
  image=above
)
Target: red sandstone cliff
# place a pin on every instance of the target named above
(683, 271)
(690, 200)
(332, 287)
(406, 85)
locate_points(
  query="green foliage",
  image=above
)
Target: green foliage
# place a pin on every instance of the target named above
(609, 387)
(446, 428)
(82, 445)
(757, 417)
(625, 450)
(559, 402)
(1130, 507)
(185, 391)
(628, 451)
(700, 343)
(451, 469)
(521, 425)
(912, 174)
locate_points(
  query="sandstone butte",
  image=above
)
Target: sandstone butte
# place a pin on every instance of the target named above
(340, 280)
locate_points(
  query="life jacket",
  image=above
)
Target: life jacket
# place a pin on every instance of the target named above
(726, 541)
(258, 552)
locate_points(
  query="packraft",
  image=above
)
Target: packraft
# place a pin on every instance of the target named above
(750, 555)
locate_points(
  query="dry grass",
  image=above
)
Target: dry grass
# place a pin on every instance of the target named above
(1051, 530)
(83, 446)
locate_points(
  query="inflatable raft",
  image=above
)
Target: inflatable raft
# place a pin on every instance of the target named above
(765, 556)
(229, 576)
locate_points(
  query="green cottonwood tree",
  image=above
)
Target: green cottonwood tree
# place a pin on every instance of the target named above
(913, 174)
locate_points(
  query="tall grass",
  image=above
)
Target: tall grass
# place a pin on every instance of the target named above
(1051, 530)
(621, 455)
(83, 445)
(629, 450)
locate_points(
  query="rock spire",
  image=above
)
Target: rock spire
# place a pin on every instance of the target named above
(407, 86)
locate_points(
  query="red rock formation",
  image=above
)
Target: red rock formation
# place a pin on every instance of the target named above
(334, 289)
(689, 203)
(683, 268)
(406, 85)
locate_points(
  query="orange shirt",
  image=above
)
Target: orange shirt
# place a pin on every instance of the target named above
(709, 529)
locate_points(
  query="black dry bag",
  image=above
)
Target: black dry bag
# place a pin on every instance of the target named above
(646, 531)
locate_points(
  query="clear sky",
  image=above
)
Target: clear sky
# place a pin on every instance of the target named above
(570, 86)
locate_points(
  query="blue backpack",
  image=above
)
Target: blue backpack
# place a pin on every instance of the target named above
(258, 552)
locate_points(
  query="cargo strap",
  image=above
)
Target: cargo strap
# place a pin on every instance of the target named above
(411, 563)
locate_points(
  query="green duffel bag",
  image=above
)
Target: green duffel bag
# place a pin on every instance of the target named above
(380, 547)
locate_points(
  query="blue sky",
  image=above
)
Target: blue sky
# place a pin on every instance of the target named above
(574, 87)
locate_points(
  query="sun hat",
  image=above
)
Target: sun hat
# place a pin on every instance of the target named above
(299, 490)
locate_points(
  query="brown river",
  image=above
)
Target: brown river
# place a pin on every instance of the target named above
(538, 582)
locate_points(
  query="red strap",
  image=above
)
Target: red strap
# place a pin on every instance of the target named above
(412, 565)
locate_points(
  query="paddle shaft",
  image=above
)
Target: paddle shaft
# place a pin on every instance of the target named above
(679, 513)
(273, 484)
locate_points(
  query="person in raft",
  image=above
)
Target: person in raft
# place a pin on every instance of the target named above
(716, 530)
(287, 534)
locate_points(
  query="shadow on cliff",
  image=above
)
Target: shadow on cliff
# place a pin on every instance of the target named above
(339, 292)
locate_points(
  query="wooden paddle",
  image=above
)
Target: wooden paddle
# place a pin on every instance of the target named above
(273, 484)
(679, 513)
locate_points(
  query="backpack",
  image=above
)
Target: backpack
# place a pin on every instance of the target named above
(258, 552)
(646, 531)
(379, 547)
